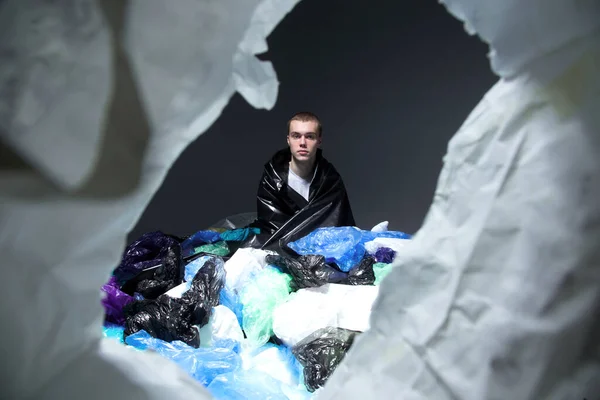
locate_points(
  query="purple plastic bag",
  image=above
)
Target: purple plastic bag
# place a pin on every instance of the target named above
(146, 252)
(385, 255)
(114, 301)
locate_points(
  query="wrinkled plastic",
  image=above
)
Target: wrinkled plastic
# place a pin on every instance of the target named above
(276, 361)
(342, 245)
(169, 318)
(381, 270)
(277, 373)
(218, 249)
(158, 279)
(238, 235)
(334, 305)
(284, 215)
(246, 385)
(385, 255)
(222, 326)
(114, 301)
(114, 332)
(307, 271)
(263, 292)
(321, 352)
(148, 251)
(202, 364)
(362, 273)
(198, 239)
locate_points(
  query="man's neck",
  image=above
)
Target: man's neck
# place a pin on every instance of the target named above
(303, 170)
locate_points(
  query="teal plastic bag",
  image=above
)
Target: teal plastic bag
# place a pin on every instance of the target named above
(264, 291)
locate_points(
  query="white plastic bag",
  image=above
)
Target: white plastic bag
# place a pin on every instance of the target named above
(308, 310)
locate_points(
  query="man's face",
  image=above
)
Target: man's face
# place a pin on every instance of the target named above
(303, 140)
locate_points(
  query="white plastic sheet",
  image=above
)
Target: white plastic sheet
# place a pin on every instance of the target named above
(499, 292)
(97, 100)
(222, 325)
(308, 310)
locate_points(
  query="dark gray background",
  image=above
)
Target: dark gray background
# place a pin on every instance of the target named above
(391, 81)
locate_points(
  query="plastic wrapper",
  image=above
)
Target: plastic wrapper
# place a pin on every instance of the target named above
(342, 245)
(321, 352)
(307, 271)
(170, 318)
(385, 255)
(381, 270)
(334, 305)
(202, 364)
(263, 292)
(114, 301)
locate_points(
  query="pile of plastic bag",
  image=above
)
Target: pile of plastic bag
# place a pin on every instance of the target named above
(249, 323)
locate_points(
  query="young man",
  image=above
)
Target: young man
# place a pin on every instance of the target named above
(300, 190)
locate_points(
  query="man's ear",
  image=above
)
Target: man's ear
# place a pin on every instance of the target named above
(287, 138)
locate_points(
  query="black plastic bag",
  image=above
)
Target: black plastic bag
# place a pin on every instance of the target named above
(151, 265)
(308, 271)
(165, 318)
(285, 215)
(321, 352)
(205, 291)
(362, 273)
(156, 280)
(173, 319)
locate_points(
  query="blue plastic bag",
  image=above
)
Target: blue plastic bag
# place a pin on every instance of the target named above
(342, 245)
(276, 361)
(231, 299)
(113, 332)
(246, 385)
(202, 364)
(239, 235)
(198, 239)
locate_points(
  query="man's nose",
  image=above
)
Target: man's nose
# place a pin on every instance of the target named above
(302, 140)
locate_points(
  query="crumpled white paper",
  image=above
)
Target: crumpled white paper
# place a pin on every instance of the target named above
(499, 291)
(97, 100)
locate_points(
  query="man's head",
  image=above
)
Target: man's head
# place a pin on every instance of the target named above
(304, 136)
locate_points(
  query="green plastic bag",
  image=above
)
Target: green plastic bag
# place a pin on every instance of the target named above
(381, 270)
(265, 290)
(218, 249)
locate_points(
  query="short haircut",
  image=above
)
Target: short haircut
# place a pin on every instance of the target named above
(306, 116)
